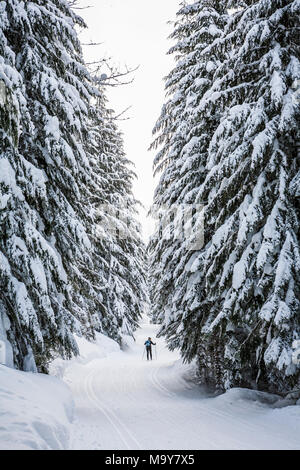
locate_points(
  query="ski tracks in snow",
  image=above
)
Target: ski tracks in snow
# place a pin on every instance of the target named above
(124, 402)
(157, 384)
(121, 430)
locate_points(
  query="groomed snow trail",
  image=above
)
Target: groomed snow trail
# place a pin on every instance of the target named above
(126, 402)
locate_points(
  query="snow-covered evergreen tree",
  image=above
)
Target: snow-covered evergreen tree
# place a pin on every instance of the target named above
(246, 308)
(50, 274)
(252, 260)
(184, 131)
(49, 169)
(116, 232)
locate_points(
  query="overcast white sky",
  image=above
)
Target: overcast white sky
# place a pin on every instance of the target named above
(134, 33)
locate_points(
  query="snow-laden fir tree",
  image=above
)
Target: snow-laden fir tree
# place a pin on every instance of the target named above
(115, 232)
(251, 264)
(11, 106)
(247, 310)
(50, 281)
(184, 131)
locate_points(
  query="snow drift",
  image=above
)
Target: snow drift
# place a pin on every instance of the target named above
(35, 411)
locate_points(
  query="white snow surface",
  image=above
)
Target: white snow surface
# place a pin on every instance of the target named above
(35, 411)
(122, 401)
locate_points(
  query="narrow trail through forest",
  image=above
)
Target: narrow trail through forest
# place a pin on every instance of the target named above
(126, 402)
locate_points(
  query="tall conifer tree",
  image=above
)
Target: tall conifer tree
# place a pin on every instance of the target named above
(50, 273)
(245, 297)
(184, 131)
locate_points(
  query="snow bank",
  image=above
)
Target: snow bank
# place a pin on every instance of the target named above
(88, 351)
(246, 395)
(275, 417)
(35, 411)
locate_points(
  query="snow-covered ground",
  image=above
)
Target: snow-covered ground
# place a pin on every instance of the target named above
(35, 411)
(124, 402)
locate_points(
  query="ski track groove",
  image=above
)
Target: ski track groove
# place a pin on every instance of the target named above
(208, 411)
(204, 411)
(102, 410)
(125, 434)
(217, 413)
(173, 418)
(158, 385)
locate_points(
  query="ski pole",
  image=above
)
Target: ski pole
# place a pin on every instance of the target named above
(143, 353)
(155, 352)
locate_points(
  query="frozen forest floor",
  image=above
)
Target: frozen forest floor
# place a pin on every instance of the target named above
(123, 401)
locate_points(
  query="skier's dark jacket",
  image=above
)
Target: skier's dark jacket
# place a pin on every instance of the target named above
(148, 343)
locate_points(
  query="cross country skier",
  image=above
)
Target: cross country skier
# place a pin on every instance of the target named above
(148, 345)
